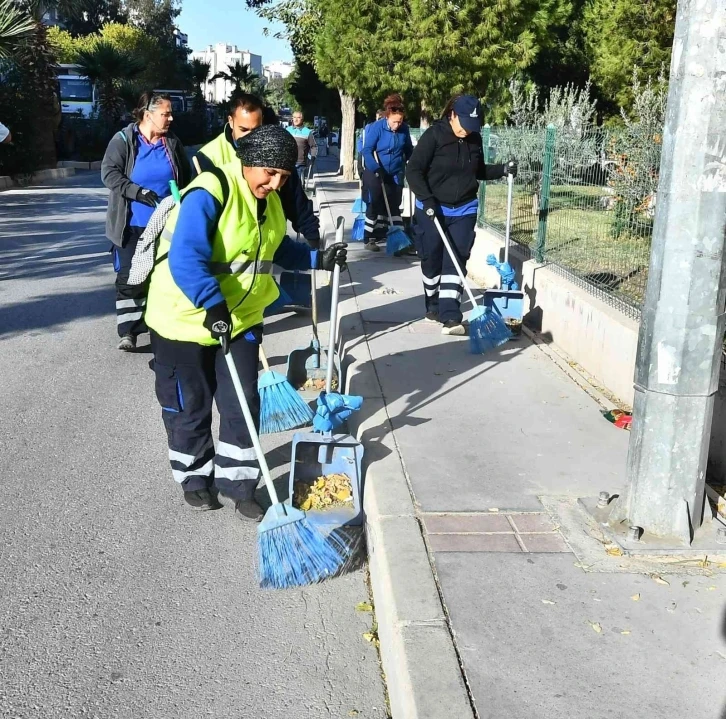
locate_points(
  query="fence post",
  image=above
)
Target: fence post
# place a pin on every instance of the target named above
(485, 135)
(544, 200)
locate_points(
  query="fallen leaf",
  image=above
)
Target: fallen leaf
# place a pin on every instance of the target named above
(659, 580)
(353, 713)
(614, 551)
(625, 631)
(596, 627)
(547, 601)
(711, 589)
(363, 607)
(685, 584)
(369, 636)
(722, 565)
(635, 597)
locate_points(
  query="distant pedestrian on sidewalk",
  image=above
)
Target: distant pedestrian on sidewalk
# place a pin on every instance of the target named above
(387, 147)
(210, 286)
(307, 149)
(443, 174)
(245, 113)
(139, 162)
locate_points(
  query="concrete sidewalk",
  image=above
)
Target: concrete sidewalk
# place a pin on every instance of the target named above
(488, 602)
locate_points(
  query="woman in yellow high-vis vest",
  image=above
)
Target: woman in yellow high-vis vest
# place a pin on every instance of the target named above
(213, 279)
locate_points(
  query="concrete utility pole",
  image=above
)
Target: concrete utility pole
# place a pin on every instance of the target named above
(679, 348)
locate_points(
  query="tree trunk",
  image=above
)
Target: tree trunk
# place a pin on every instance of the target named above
(425, 115)
(347, 135)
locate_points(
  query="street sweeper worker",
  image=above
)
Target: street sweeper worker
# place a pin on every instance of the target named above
(212, 281)
(137, 166)
(245, 113)
(443, 173)
(387, 147)
(307, 149)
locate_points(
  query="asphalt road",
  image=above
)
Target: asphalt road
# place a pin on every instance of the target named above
(115, 599)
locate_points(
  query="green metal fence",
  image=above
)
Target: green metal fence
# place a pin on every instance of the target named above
(583, 203)
(577, 205)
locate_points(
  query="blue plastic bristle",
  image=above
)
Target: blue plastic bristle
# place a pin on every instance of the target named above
(358, 206)
(396, 241)
(487, 330)
(281, 407)
(359, 229)
(293, 553)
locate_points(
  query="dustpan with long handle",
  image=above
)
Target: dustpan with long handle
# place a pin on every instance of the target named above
(315, 453)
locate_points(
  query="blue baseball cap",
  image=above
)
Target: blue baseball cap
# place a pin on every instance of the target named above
(468, 110)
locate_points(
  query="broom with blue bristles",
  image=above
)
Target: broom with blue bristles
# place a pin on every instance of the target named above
(359, 229)
(487, 329)
(397, 239)
(291, 551)
(359, 206)
(281, 407)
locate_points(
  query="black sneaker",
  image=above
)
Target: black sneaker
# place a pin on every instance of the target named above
(202, 500)
(372, 247)
(248, 510)
(126, 343)
(432, 317)
(452, 327)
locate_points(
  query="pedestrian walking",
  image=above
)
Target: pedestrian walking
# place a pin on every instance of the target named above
(443, 173)
(307, 149)
(212, 282)
(247, 112)
(387, 147)
(139, 162)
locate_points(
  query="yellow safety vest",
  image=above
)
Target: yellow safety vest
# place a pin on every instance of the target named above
(242, 260)
(220, 151)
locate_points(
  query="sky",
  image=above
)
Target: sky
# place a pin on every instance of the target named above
(208, 22)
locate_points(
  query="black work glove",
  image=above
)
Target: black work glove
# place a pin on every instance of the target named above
(219, 323)
(430, 207)
(334, 255)
(510, 168)
(147, 197)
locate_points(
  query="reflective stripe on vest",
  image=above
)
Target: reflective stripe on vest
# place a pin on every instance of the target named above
(248, 267)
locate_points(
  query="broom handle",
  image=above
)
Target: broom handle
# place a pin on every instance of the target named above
(385, 195)
(460, 272)
(314, 301)
(250, 425)
(263, 359)
(508, 228)
(196, 165)
(333, 331)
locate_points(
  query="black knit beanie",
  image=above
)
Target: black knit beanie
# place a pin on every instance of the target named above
(268, 146)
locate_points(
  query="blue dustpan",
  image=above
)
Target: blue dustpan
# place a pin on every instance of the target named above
(321, 453)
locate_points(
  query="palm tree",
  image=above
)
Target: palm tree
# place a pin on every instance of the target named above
(15, 25)
(199, 72)
(240, 76)
(109, 68)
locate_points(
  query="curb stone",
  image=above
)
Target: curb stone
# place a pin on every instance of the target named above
(7, 183)
(421, 667)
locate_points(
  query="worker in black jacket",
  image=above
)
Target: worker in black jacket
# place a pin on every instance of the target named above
(444, 173)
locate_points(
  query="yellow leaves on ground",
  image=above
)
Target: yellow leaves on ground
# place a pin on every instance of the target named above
(328, 491)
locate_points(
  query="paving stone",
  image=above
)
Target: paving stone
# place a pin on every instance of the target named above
(447, 523)
(544, 542)
(474, 543)
(533, 522)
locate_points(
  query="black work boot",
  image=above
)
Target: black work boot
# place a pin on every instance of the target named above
(248, 510)
(202, 500)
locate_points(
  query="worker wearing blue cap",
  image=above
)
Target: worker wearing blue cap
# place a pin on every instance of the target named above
(444, 173)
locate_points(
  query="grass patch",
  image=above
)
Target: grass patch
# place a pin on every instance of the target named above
(579, 236)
